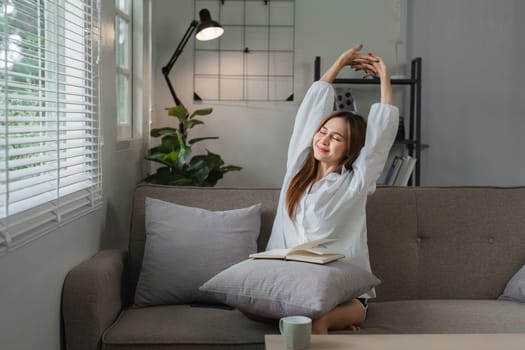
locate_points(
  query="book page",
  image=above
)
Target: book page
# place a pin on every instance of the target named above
(311, 244)
(271, 254)
(314, 258)
(319, 251)
(307, 248)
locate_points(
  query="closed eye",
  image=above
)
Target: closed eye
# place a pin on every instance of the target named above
(333, 136)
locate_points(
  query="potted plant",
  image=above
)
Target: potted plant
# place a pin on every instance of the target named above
(175, 154)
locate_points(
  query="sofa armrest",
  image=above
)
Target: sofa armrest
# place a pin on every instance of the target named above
(92, 299)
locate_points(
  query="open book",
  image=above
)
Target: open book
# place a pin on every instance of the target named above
(308, 252)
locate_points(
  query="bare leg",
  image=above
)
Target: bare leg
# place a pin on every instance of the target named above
(345, 316)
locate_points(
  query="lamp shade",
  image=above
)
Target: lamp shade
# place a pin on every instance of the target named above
(208, 29)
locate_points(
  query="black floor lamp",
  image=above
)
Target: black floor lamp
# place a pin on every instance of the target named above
(207, 29)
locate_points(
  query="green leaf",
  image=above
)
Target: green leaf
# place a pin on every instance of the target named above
(181, 139)
(172, 158)
(198, 170)
(155, 154)
(163, 176)
(204, 111)
(191, 123)
(169, 144)
(157, 157)
(178, 111)
(185, 181)
(157, 149)
(200, 175)
(184, 151)
(212, 162)
(214, 177)
(184, 155)
(167, 131)
(195, 165)
(199, 139)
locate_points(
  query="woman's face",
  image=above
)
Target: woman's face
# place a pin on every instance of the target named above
(330, 143)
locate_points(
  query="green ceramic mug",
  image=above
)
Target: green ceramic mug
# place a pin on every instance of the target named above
(296, 331)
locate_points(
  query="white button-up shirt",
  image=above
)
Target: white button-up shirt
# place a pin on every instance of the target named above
(334, 207)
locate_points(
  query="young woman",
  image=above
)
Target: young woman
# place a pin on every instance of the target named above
(333, 164)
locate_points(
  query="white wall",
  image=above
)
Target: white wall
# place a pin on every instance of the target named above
(255, 135)
(473, 74)
(32, 276)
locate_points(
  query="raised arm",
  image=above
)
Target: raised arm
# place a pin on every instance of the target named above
(382, 126)
(382, 72)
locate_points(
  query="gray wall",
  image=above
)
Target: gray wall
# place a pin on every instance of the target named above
(473, 72)
(32, 276)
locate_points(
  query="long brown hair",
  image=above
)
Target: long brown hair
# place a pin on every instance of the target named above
(306, 176)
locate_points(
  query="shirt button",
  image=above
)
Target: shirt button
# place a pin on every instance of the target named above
(491, 240)
(418, 240)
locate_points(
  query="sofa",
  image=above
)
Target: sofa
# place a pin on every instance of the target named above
(444, 256)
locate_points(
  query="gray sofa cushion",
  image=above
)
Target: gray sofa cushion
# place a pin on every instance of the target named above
(277, 288)
(515, 289)
(186, 246)
(180, 326)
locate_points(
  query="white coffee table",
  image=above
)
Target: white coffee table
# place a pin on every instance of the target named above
(506, 341)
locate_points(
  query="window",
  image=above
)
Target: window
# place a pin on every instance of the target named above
(49, 122)
(124, 58)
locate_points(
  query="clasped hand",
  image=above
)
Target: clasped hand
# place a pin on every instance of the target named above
(371, 64)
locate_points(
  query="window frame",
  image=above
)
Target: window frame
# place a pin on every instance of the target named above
(125, 131)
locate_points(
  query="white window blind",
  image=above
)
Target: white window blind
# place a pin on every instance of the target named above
(50, 137)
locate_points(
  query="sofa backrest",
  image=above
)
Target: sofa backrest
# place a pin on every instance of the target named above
(424, 242)
(445, 242)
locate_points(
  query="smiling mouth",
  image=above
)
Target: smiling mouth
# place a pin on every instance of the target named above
(320, 149)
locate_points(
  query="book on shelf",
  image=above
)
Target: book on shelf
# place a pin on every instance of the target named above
(393, 171)
(400, 170)
(312, 252)
(405, 171)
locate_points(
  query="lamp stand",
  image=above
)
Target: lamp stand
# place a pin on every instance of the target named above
(167, 68)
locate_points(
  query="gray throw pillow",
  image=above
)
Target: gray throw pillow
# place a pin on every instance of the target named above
(515, 289)
(186, 246)
(278, 288)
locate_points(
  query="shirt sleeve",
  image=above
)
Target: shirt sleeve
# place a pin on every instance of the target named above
(317, 103)
(381, 130)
